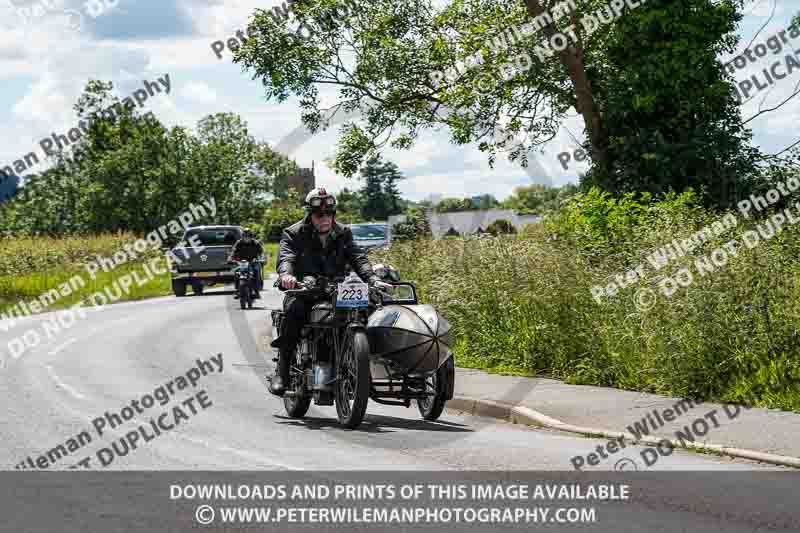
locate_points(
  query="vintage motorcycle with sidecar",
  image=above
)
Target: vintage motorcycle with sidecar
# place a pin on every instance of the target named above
(362, 343)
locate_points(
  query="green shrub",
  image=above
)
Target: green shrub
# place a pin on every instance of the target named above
(279, 217)
(524, 304)
(501, 226)
(416, 226)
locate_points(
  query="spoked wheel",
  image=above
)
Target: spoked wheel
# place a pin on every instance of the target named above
(432, 406)
(353, 380)
(296, 406)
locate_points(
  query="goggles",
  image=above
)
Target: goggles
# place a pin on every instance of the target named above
(323, 202)
(323, 211)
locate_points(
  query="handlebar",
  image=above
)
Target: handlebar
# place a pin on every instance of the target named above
(321, 285)
(328, 287)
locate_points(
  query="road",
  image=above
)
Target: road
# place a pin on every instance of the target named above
(56, 390)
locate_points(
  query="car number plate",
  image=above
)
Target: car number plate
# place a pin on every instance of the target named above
(353, 295)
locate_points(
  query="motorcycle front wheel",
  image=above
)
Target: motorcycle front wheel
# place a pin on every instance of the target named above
(244, 295)
(353, 380)
(297, 406)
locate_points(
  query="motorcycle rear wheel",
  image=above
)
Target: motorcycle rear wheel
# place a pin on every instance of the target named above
(353, 380)
(297, 406)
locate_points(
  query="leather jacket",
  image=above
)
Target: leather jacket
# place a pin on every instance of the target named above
(301, 253)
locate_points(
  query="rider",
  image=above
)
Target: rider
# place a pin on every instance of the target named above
(248, 248)
(316, 245)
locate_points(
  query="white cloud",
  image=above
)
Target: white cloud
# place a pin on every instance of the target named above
(60, 63)
(762, 8)
(199, 92)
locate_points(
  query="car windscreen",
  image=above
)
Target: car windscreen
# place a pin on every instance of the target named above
(369, 232)
(215, 237)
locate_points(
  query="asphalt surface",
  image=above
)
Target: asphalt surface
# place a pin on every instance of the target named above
(56, 390)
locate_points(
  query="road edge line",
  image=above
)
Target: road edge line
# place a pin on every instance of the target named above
(525, 415)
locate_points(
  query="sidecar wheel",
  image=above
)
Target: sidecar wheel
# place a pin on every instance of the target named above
(432, 407)
(353, 381)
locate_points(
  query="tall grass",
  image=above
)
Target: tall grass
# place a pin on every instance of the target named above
(30, 267)
(523, 304)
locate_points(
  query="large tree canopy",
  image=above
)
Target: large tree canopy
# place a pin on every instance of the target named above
(129, 172)
(386, 59)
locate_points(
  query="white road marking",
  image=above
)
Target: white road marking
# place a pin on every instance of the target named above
(135, 422)
(11, 323)
(63, 345)
(63, 385)
(242, 453)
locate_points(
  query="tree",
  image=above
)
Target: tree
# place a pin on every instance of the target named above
(380, 196)
(451, 205)
(282, 214)
(485, 201)
(482, 202)
(532, 199)
(668, 106)
(391, 193)
(388, 58)
(128, 172)
(374, 206)
(276, 168)
(349, 201)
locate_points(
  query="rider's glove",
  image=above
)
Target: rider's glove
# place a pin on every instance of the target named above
(378, 284)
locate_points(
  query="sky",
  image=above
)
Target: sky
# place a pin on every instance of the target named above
(49, 49)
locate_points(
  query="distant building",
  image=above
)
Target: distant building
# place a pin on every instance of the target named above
(467, 222)
(305, 180)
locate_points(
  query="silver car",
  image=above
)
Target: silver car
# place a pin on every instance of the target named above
(370, 235)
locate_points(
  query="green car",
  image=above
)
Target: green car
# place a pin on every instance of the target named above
(200, 267)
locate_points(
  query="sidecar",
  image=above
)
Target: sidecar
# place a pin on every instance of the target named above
(410, 354)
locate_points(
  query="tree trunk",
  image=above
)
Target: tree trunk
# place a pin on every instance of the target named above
(572, 59)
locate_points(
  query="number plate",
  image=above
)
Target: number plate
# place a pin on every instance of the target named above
(353, 295)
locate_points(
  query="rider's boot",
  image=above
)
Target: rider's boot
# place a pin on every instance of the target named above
(281, 377)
